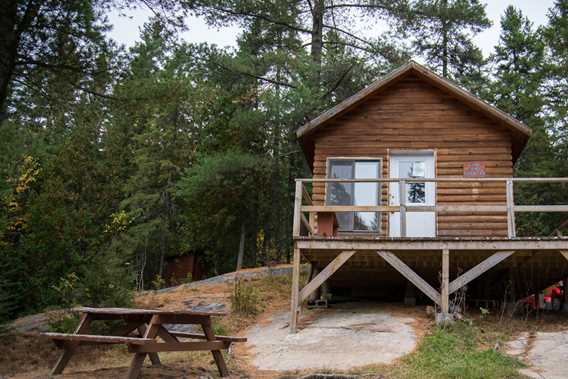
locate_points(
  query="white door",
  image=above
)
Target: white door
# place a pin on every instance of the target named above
(418, 224)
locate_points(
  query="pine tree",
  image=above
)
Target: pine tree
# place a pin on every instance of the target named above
(520, 74)
(556, 36)
(442, 32)
(314, 21)
(519, 68)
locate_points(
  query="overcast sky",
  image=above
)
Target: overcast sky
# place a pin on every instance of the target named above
(126, 29)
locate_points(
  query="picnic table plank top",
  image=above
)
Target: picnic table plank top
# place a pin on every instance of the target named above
(136, 311)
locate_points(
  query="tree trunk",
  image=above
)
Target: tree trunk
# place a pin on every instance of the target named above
(317, 40)
(9, 40)
(445, 39)
(162, 253)
(241, 248)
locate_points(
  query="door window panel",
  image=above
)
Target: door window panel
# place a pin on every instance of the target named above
(415, 192)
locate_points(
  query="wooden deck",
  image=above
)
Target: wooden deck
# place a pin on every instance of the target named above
(373, 265)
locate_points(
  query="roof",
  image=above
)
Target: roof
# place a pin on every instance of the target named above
(519, 131)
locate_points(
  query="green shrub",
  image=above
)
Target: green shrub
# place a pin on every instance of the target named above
(245, 298)
(158, 282)
(104, 284)
(219, 329)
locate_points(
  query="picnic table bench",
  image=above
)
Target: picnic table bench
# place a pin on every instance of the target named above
(148, 326)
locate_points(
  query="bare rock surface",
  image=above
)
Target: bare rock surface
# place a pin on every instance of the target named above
(345, 337)
(545, 352)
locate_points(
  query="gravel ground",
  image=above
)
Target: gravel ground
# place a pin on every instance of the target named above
(345, 337)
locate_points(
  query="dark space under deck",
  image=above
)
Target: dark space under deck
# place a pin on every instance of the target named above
(535, 264)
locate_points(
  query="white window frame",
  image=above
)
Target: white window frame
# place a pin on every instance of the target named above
(379, 160)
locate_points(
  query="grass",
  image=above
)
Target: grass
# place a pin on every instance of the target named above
(454, 352)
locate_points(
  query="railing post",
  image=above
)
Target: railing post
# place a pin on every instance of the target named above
(402, 203)
(511, 229)
(297, 209)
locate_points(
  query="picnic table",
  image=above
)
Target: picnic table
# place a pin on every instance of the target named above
(147, 326)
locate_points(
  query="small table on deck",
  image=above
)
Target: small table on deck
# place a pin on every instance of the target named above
(149, 325)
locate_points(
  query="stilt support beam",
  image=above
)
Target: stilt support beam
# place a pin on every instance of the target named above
(409, 274)
(444, 290)
(324, 274)
(476, 271)
(295, 290)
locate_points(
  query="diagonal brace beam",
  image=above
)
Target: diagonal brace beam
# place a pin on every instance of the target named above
(564, 253)
(476, 271)
(324, 274)
(409, 274)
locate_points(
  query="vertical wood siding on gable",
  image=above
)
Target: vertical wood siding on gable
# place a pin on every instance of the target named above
(413, 115)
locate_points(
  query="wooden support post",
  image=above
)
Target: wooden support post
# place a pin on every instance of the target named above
(402, 203)
(138, 360)
(297, 209)
(71, 347)
(479, 269)
(409, 274)
(511, 228)
(217, 355)
(295, 290)
(324, 274)
(444, 291)
(154, 357)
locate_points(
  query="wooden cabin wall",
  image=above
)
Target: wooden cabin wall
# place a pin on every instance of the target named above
(414, 115)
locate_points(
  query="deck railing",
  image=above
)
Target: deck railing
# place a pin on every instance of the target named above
(303, 202)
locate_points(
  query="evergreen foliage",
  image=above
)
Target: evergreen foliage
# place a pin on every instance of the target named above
(113, 160)
(221, 193)
(442, 32)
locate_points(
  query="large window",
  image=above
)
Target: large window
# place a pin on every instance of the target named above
(359, 194)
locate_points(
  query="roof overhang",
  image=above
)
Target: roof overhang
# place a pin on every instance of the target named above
(520, 133)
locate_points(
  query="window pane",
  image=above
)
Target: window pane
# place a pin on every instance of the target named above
(366, 194)
(341, 193)
(366, 221)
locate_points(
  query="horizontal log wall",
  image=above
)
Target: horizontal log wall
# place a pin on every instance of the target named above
(413, 115)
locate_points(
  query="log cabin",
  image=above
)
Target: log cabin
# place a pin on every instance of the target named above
(412, 191)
